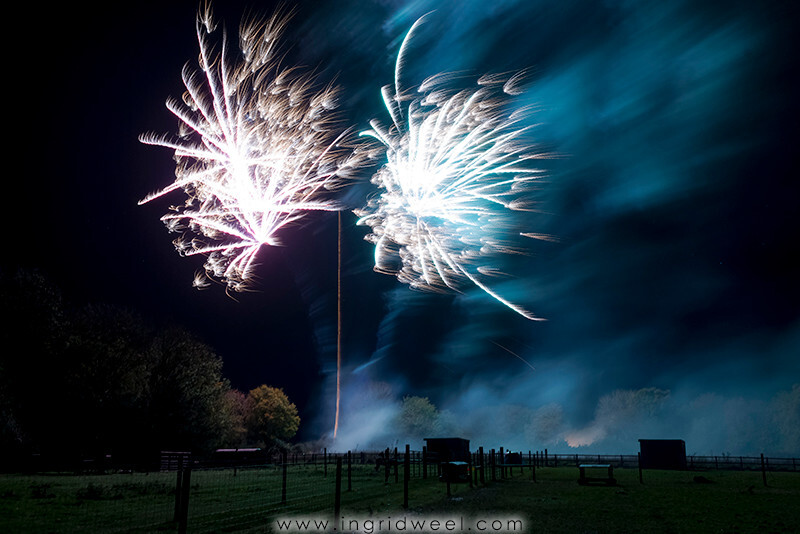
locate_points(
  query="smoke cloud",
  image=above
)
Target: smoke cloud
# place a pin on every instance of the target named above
(670, 296)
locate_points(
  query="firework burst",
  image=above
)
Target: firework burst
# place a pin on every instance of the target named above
(459, 163)
(259, 146)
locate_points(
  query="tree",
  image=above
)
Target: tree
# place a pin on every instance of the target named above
(95, 380)
(32, 336)
(240, 406)
(273, 420)
(104, 371)
(418, 418)
(188, 408)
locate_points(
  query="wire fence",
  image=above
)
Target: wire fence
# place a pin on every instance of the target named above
(188, 495)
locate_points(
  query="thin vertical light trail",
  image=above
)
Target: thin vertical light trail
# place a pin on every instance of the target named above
(338, 329)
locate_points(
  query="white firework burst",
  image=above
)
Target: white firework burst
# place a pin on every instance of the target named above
(259, 146)
(459, 163)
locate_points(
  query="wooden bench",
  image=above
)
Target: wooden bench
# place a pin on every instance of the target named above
(608, 479)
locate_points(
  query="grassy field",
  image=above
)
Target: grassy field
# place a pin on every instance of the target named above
(248, 500)
(668, 501)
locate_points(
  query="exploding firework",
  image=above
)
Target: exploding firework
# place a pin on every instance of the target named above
(459, 162)
(259, 146)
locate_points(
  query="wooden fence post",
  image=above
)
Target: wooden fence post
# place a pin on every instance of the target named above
(186, 484)
(406, 475)
(178, 492)
(483, 465)
(349, 478)
(763, 470)
(396, 475)
(639, 462)
(283, 478)
(469, 469)
(424, 462)
(337, 496)
(386, 467)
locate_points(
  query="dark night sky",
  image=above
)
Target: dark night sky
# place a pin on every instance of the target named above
(675, 201)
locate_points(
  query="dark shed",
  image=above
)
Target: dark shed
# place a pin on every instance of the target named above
(663, 453)
(448, 449)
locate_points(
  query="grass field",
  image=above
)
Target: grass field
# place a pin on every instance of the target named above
(248, 500)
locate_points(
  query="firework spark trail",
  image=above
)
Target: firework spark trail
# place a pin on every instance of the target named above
(458, 163)
(258, 147)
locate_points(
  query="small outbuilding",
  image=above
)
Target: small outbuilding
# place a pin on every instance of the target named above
(448, 449)
(662, 454)
(452, 458)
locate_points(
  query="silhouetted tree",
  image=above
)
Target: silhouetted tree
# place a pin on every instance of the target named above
(98, 380)
(105, 370)
(32, 336)
(273, 420)
(418, 418)
(188, 409)
(240, 406)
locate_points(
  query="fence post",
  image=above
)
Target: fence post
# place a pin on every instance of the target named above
(185, 485)
(337, 499)
(483, 465)
(545, 457)
(639, 462)
(493, 461)
(470, 470)
(283, 477)
(406, 475)
(502, 464)
(763, 470)
(349, 477)
(396, 475)
(386, 466)
(178, 491)
(424, 462)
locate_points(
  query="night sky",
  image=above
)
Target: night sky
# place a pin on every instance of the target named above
(671, 296)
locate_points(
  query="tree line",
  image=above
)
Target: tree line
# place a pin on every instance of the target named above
(96, 380)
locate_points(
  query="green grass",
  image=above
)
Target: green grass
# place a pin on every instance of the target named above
(668, 501)
(249, 499)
